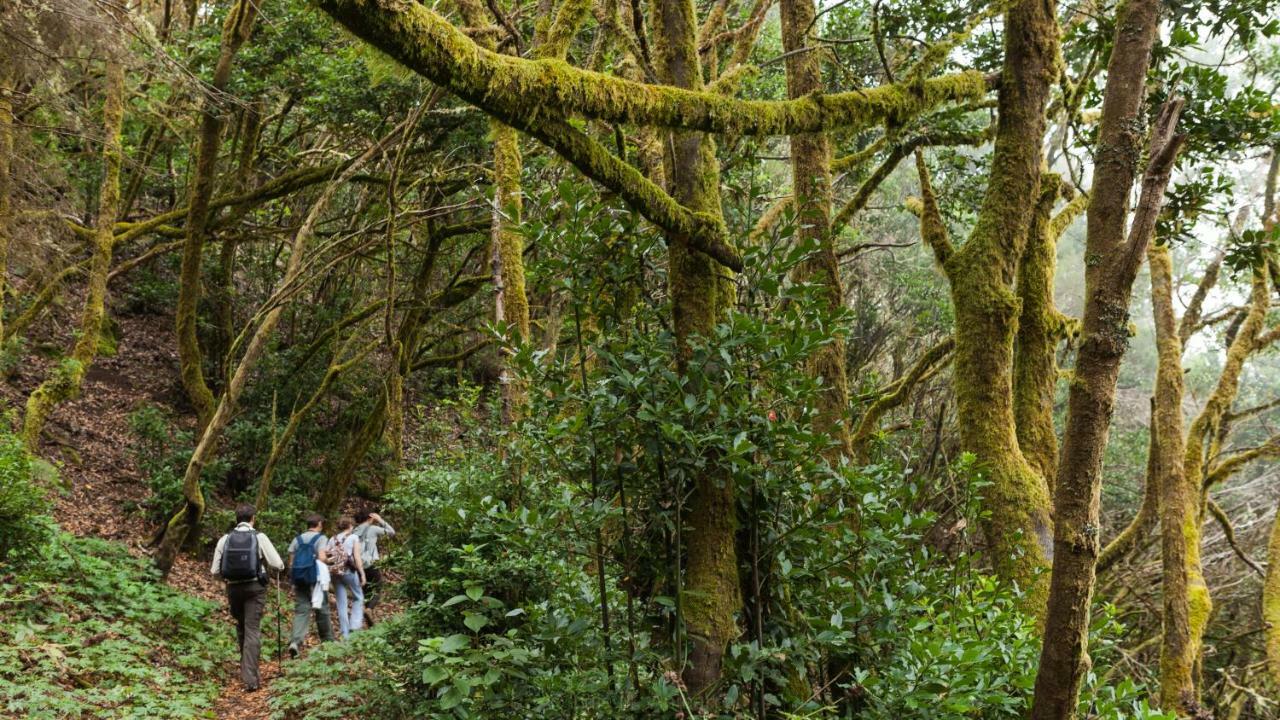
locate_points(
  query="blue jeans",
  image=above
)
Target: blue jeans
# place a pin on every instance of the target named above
(352, 618)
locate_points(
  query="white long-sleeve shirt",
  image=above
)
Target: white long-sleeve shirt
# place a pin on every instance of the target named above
(266, 551)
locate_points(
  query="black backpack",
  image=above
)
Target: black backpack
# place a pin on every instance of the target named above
(240, 559)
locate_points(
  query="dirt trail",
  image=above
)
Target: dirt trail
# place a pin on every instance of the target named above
(89, 439)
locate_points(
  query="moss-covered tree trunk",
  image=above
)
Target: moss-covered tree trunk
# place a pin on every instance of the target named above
(511, 303)
(6, 180)
(1179, 507)
(1200, 435)
(64, 381)
(1112, 261)
(981, 273)
(235, 31)
(1035, 368)
(701, 292)
(1271, 601)
(811, 186)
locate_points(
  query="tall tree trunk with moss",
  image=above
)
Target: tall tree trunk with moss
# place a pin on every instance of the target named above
(1111, 266)
(235, 31)
(701, 293)
(1040, 328)
(811, 185)
(64, 380)
(511, 303)
(1200, 438)
(6, 180)
(1179, 508)
(981, 275)
(1271, 586)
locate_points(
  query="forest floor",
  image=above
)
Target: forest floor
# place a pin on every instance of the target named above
(89, 439)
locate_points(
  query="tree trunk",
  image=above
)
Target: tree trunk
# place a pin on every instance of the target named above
(511, 304)
(981, 273)
(222, 299)
(1035, 367)
(811, 185)
(6, 180)
(1179, 508)
(235, 32)
(1112, 262)
(700, 295)
(65, 380)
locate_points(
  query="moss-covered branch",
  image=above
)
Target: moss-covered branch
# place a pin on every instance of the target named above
(1229, 531)
(512, 88)
(897, 393)
(932, 229)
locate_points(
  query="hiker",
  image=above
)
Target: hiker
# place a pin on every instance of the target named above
(238, 560)
(347, 570)
(369, 527)
(306, 552)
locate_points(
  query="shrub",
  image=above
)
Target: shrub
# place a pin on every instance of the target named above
(24, 505)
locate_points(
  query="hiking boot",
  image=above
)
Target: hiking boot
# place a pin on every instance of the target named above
(293, 651)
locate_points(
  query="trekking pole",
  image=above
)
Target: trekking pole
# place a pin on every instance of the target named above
(279, 632)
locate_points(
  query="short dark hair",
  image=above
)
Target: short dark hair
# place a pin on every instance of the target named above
(314, 519)
(344, 523)
(362, 514)
(245, 513)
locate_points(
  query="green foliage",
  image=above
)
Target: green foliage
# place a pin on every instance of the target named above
(87, 632)
(161, 450)
(370, 684)
(24, 506)
(151, 291)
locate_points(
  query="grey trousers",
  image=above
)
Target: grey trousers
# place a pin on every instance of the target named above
(302, 616)
(247, 600)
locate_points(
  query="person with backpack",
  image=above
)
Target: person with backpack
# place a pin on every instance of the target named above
(239, 561)
(347, 571)
(369, 527)
(306, 552)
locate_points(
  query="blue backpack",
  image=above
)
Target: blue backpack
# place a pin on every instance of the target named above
(304, 570)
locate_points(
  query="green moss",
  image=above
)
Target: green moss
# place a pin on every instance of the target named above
(512, 88)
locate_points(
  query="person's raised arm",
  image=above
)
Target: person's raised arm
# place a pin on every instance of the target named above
(386, 526)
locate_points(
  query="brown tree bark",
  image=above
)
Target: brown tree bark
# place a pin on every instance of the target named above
(235, 31)
(1112, 262)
